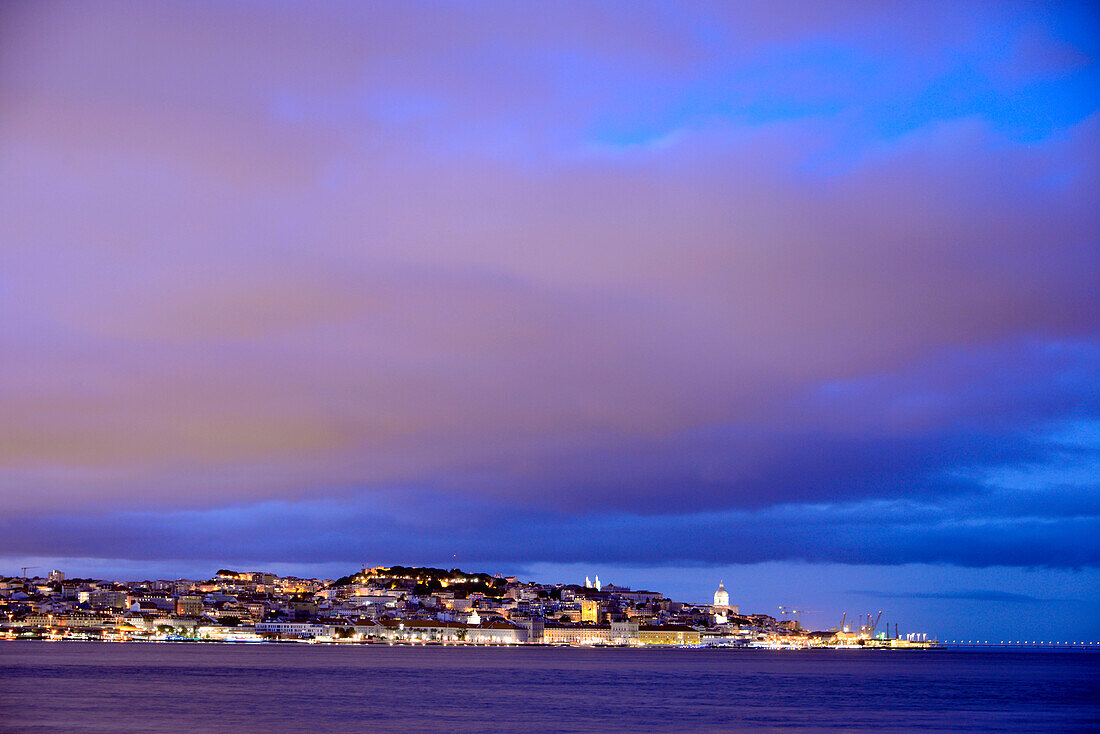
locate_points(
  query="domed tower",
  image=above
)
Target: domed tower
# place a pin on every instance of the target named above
(721, 598)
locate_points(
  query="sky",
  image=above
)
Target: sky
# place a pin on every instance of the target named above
(799, 296)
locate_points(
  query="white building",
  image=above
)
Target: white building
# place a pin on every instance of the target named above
(722, 608)
(497, 633)
(295, 629)
(721, 597)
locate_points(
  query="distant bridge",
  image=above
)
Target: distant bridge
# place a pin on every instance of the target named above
(1068, 644)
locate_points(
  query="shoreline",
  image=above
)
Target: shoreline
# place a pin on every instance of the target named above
(1080, 647)
(455, 644)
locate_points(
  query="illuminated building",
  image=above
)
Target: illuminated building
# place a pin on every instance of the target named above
(721, 597)
(669, 634)
(722, 607)
(590, 610)
(189, 605)
(497, 633)
(290, 629)
(583, 634)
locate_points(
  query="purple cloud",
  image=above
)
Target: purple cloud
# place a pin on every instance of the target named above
(567, 262)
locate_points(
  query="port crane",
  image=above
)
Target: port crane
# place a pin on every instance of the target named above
(868, 626)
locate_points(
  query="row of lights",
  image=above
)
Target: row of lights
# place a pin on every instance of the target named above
(1021, 642)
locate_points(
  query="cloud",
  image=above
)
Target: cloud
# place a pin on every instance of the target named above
(971, 595)
(1001, 528)
(592, 269)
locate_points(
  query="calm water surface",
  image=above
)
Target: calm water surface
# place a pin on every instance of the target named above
(101, 687)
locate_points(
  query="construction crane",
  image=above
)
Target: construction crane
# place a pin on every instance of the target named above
(25, 570)
(795, 612)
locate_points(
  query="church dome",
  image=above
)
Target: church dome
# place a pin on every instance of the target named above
(721, 597)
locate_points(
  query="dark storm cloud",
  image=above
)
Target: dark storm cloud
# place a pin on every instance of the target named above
(432, 529)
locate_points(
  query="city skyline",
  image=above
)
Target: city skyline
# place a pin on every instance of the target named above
(420, 605)
(799, 297)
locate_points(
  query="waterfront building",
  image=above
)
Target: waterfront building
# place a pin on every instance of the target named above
(230, 634)
(74, 620)
(497, 633)
(581, 634)
(178, 624)
(422, 630)
(624, 633)
(535, 629)
(290, 629)
(669, 634)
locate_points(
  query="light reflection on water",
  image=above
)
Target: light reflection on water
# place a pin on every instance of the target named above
(98, 687)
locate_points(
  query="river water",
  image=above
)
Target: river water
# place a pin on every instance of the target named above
(188, 687)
